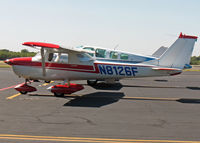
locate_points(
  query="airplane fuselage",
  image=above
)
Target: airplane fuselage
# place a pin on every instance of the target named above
(29, 69)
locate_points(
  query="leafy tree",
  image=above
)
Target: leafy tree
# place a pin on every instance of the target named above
(6, 54)
(195, 60)
(24, 51)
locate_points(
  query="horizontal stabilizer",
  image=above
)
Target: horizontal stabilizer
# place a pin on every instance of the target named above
(167, 69)
(170, 71)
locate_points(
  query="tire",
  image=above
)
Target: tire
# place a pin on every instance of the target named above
(23, 92)
(92, 82)
(59, 94)
(47, 81)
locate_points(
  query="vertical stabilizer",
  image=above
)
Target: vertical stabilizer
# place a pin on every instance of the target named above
(179, 53)
(158, 53)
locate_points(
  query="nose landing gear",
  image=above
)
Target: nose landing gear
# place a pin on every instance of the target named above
(24, 88)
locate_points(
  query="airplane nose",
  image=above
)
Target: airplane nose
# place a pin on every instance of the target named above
(18, 61)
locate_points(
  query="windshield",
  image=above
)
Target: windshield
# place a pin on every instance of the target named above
(89, 49)
(79, 47)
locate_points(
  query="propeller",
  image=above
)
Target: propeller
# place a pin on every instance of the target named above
(43, 62)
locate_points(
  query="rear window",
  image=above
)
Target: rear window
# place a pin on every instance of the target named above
(63, 58)
(113, 55)
(123, 56)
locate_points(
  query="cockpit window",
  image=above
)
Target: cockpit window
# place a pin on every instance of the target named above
(100, 53)
(89, 49)
(79, 46)
(113, 55)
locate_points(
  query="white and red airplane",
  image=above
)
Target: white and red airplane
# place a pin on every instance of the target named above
(55, 62)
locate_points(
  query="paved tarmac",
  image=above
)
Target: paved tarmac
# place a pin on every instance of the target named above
(159, 109)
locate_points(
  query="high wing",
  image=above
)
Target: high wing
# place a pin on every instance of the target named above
(54, 49)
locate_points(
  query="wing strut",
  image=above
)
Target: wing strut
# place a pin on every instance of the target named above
(43, 62)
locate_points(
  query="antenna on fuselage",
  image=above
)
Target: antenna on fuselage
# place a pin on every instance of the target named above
(116, 46)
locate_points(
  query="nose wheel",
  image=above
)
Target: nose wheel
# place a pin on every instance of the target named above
(47, 81)
(24, 88)
(23, 92)
(59, 94)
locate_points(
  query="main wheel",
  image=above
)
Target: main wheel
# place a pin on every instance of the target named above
(23, 92)
(92, 82)
(47, 81)
(59, 94)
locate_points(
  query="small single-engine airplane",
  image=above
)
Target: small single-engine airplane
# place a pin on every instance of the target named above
(93, 64)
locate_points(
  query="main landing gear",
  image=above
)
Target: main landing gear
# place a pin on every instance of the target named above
(66, 88)
(47, 81)
(92, 82)
(24, 88)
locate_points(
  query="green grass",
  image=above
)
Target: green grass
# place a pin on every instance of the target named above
(192, 70)
(3, 65)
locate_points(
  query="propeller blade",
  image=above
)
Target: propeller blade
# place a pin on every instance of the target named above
(43, 62)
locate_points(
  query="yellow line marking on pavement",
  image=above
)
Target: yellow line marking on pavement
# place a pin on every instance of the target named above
(82, 139)
(127, 97)
(13, 96)
(151, 98)
(45, 84)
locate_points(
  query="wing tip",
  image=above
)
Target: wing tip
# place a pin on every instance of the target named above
(41, 44)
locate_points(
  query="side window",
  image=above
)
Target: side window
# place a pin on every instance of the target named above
(100, 53)
(89, 49)
(63, 58)
(113, 55)
(123, 56)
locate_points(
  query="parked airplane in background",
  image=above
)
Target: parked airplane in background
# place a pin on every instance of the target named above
(55, 62)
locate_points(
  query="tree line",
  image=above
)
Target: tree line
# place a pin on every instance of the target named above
(6, 54)
(195, 60)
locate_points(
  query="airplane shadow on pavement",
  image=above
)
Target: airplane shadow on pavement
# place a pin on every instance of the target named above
(105, 86)
(193, 88)
(97, 99)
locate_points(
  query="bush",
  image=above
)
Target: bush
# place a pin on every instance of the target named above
(195, 60)
(6, 54)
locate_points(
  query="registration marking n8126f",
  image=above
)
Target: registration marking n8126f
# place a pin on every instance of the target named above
(117, 70)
